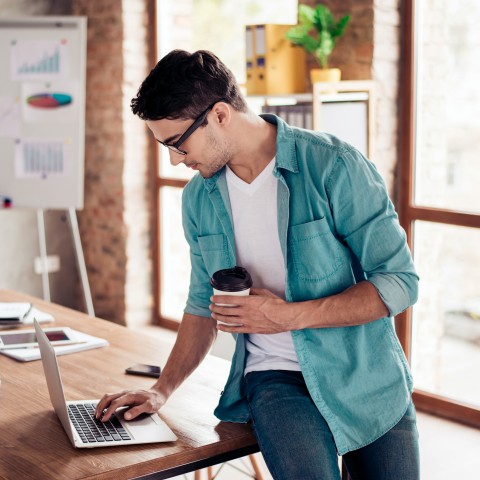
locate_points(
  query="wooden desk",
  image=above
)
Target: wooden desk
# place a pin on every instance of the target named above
(33, 444)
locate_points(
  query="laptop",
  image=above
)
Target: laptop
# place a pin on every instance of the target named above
(78, 417)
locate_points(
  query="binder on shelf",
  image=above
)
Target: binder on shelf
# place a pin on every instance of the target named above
(273, 65)
(298, 115)
(249, 32)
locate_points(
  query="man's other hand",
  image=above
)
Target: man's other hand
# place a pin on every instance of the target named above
(260, 312)
(139, 401)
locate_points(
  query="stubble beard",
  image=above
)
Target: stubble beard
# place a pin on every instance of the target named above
(220, 156)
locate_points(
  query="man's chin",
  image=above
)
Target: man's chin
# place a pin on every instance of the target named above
(209, 174)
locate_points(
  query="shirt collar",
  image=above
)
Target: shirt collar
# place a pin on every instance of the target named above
(286, 155)
(286, 152)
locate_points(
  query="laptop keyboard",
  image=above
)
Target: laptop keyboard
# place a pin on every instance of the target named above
(92, 430)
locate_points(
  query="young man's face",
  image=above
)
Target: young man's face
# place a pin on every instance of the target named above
(204, 150)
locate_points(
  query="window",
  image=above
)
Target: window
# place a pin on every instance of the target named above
(216, 25)
(440, 205)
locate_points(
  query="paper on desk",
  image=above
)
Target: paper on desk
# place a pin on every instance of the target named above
(86, 342)
(14, 310)
(40, 316)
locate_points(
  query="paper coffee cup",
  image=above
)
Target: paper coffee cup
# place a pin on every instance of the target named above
(236, 294)
(234, 281)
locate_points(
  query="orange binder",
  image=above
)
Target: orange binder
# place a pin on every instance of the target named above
(274, 65)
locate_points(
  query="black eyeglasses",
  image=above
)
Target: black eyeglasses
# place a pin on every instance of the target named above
(175, 147)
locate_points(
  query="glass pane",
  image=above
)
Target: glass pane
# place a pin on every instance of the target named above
(175, 261)
(446, 319)
(448, 105)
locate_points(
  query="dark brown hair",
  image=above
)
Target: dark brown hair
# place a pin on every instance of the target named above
(184, 84)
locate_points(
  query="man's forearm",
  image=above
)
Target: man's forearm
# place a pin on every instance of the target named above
(264, 312)
(357, 305)
(194, 340)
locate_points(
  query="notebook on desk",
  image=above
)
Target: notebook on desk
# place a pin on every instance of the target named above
(78, 417)
(17, 314)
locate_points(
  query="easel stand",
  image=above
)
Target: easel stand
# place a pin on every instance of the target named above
(78, 254)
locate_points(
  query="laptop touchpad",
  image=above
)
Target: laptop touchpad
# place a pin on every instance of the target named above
(147, 427)
(143, 420)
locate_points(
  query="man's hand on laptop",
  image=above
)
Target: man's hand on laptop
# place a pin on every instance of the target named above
(139, 401)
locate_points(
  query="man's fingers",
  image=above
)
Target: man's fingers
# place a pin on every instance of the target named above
(124, 400)
(230, 300)
(227, 311)
(139, 401)
(134, 412)
(233, 328)
(105, 402)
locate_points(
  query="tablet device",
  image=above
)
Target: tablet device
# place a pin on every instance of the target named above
(28, 339)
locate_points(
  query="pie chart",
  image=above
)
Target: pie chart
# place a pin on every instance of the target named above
(49, 100)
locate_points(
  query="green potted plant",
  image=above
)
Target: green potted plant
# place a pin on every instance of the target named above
(318, 32)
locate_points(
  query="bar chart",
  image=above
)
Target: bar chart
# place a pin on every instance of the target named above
(41, 159)
(47, 64)
(38, 60)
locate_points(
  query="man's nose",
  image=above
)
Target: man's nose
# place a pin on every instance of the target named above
(175, 158)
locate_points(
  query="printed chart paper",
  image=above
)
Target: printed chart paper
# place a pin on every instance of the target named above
(49, 102)
(38, 60)
(42, 158)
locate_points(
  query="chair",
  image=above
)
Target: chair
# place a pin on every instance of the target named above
(257, 474)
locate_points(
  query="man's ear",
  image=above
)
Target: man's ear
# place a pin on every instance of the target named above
(223, 113)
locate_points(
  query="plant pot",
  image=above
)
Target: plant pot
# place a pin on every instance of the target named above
(325, 75)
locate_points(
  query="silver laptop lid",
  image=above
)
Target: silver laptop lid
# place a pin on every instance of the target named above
(54, 381)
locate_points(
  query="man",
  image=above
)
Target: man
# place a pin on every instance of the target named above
(317, 366)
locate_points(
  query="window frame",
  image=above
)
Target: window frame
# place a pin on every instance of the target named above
(409, 213)
(158, 183)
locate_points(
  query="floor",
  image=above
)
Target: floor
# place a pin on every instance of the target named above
(448, 450)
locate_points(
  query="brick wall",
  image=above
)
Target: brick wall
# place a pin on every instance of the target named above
(386, 74)
(139, 164)
(354, 50)
(114, 224)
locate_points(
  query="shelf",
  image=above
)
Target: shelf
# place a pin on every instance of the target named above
(297, 97)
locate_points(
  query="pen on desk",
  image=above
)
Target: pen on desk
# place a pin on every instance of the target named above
(25, 315)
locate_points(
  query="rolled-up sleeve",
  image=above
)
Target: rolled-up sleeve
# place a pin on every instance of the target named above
(365, 219)
(199, 292)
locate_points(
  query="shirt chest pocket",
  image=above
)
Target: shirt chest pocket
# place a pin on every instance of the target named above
(314, 251)
(214, 249)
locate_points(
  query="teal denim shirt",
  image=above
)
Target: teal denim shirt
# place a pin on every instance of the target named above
(337, 226)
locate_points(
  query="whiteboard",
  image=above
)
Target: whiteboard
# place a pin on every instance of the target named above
(42, 111)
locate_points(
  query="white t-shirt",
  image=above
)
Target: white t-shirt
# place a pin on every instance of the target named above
(254, 211)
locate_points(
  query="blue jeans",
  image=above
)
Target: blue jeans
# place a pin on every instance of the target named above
(297, 443)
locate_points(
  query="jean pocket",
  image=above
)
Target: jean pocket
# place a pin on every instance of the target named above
(315, 252)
